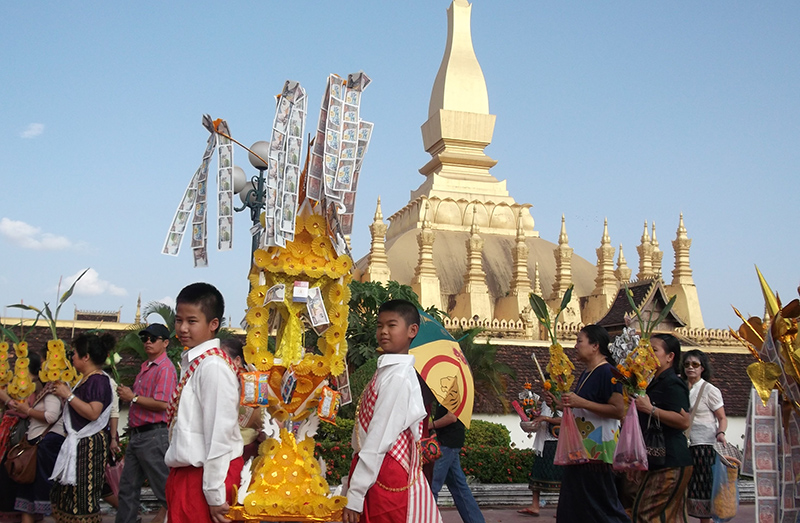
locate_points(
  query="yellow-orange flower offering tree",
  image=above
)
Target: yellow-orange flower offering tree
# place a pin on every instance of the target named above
(56, 366)
(297, 311)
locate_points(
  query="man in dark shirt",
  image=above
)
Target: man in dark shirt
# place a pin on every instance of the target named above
(447, 470)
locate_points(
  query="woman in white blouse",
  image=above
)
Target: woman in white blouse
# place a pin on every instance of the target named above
(708, 427)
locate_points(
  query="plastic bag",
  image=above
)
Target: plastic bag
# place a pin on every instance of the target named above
(631, 453)
(113, 473)
(724, 491)
(570, 449)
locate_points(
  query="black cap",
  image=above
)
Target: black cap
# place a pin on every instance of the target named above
(156, 329)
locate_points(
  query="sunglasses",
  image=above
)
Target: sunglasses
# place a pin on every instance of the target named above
(692, 365)
(149, 337)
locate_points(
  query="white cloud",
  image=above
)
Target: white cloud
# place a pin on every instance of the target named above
(92, 285)
(30, 237)
(33, 130)
(167, 300)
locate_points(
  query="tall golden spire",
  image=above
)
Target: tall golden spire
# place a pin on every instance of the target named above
(687, 307)
(657, 255)
(605, 283)
(563, 255)
(623, 273)
(645, 250)
(459, 125)
(377, 262)
(138, 318)
(425, 282)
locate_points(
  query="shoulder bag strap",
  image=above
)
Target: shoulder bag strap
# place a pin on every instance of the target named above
(694, 409)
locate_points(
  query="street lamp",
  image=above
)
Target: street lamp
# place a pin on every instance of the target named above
(253, 193)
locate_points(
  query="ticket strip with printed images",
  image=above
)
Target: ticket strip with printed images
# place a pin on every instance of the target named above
(284, 167)
(195, 200)
(225, 190)
(341, 142)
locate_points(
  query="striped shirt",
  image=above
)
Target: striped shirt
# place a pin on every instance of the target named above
(157, 379)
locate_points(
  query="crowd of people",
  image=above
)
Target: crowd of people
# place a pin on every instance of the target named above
(188, 438)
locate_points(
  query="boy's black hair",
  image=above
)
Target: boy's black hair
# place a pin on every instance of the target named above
(205, 296)
(407, 310)
(233, 347)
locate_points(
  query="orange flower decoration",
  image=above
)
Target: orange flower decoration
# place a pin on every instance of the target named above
(547, 385)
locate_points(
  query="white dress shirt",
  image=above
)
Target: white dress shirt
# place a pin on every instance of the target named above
(704, 426)
(205, 433)
(398, 406)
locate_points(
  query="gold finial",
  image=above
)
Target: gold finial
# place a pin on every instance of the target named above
(563, 239)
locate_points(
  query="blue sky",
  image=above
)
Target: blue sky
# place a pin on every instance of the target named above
(628, 110)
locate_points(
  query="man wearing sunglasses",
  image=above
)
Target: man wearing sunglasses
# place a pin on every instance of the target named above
(147, 426)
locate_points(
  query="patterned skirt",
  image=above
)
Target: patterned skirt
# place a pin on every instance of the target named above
(698, 503)
(546, 477)
(660, 495)
(80, 503)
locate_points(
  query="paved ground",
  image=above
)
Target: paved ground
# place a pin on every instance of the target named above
(548, 514)
(510, 515)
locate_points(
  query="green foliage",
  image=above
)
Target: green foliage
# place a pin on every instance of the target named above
(365, 300)
(487, 434)
(337, 456)
(487, 455)
(336, 433)
(489, 464)
(482, 359)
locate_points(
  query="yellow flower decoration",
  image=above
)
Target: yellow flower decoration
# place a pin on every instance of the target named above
(275, 378)
(53, 374)
(321, 368)
(346, 293)
(55, 345)
(303, 368)
(250, 352)
(13, 389)
(257, 316)
(306, 447)
(273, 504)
(321, 507)
(42, 376)
(274, 265)
(306, 507)
(337, 367)
(312, 467)
(343, 264)
(261, 258)
(285, 457)
(292, 266)
(22, 350)
(252, 505)
(314, 271)
(268, 447)
(298, 248)
(319, 486)
(68, 375)
(257, 295)
(258, 336)
(321, 246)
(304, 385)
(4, 346)
(23, 362)
(315, 224)
(338, 313)
(334, 335)
(23, 345)
(336, 293)
(264, 362)
(337, 503)
(280, 415)
(274, 476)
(3, 368)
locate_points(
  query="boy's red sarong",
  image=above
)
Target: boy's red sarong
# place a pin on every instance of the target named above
(185, 500)
(386, 506)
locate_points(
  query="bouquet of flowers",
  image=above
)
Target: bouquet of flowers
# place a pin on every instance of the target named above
(637, 364)
(559, 367)
(531, 403)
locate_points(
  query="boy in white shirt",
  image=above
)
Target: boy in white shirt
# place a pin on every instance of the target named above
(205, 451)
(386, 483)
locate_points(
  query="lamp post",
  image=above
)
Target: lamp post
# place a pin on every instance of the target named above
(253, 193)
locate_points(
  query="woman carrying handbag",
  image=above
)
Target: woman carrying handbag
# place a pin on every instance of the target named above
(707, 427)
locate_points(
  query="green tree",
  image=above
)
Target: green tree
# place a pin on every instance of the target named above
(487, 373)
(365, 300)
